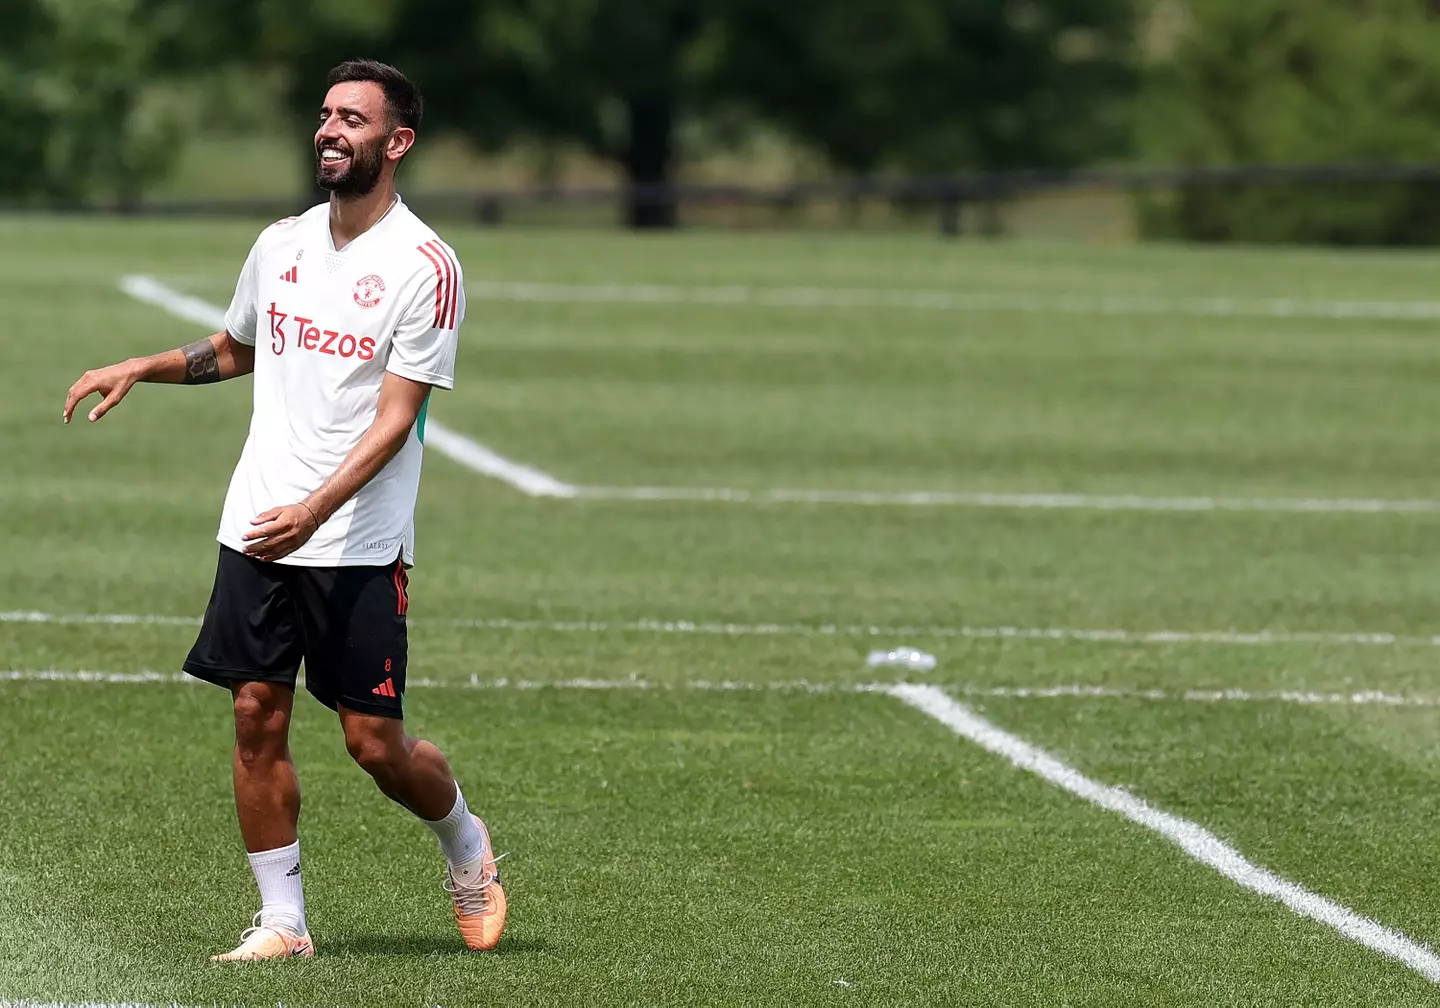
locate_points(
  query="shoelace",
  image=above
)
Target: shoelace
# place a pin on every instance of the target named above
(473, 900)
(255, 926)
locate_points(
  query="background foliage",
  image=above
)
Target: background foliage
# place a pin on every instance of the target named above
(102, 96)
(1280, 82)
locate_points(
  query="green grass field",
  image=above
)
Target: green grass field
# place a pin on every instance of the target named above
(773, 842)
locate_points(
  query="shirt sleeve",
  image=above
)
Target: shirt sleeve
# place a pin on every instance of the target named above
(423, 347)
(240, 317)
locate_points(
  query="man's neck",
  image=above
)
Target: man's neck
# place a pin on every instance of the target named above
(352, 216)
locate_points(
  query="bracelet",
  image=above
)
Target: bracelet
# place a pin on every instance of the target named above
(307, 507)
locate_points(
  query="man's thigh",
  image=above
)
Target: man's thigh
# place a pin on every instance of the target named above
(251, 631)
(356, 643)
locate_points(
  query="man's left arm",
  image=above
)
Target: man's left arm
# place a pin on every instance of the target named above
(283, 530)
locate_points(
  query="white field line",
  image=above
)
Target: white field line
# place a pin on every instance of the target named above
(529, 480)
(1196, 841)
(938, 300)
(1360, 698)
(1088, 502)
(461, 449)
(474, 682)
(476, 456)
(191, 309)
(1357, 698)
(81, 619)
(1261, 638)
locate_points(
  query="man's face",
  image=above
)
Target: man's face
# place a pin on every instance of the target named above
(351, 142)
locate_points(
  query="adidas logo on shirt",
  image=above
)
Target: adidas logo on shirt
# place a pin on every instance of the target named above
(292, 274)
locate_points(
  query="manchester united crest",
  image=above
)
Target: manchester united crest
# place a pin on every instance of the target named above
(368, 291)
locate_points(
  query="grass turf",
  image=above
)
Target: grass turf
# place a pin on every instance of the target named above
(757, 847)
(735, 849)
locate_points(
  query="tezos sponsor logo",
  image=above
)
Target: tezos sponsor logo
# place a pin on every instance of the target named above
(313, 336)
(368, 290)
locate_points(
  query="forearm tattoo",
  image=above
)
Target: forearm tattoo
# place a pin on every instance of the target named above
(201, 364)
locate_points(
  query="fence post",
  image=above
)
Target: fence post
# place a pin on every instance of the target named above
(950, 206)
(487, 211)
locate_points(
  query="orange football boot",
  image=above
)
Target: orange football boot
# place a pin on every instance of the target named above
(479, 899)
(267, 942)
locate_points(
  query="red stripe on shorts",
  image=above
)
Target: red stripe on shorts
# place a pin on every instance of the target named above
(402, 581)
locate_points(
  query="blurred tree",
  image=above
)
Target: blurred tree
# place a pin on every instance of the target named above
(612, 75)
(923, 84)
(99, 95)
(1296, 82)
(939, 85)
(22, 169)
(94, 110)
(932, 85)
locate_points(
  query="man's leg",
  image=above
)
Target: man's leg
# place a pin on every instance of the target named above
(267, 790)
(267, 800)
(249, 643)
(415, 774)
(356, 656)
(407, 770)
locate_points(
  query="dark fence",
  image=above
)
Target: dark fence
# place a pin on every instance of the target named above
(943, 198)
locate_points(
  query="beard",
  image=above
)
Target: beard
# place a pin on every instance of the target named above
(358, 176)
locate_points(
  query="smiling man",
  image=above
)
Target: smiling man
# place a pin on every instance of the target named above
(347, 316)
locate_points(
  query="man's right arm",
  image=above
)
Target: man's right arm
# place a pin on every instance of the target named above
(214, 358)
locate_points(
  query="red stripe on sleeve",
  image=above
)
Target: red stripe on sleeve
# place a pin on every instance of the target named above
(447, 311)
(449, 285)
(455, 286)
(439, 283)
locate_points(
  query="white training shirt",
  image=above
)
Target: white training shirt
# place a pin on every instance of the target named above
(326, 326)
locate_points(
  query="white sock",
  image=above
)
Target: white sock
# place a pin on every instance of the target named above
(282, 897)
(460, 839)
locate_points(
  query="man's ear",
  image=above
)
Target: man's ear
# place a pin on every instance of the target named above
(399, 141)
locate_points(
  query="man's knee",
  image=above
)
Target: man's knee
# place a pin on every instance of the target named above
(378, 752)
(262, 723)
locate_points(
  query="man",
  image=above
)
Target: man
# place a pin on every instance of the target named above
(347, 316)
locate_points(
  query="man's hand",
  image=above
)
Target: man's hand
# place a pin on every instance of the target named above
(111, 382)
(280, 532)
(214, 358)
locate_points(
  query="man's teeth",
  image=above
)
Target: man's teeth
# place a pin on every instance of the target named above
(331, 154)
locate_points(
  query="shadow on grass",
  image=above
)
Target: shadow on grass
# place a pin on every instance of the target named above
(423, 945)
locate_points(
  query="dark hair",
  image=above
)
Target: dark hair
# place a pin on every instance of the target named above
(401, 97)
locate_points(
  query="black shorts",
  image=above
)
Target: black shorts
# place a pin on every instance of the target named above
(346, 623)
